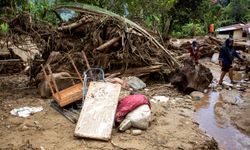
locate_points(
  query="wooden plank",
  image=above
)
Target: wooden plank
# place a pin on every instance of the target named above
(97, 115)
(69, 95)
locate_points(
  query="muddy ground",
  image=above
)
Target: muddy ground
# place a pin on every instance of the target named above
(235, 101)
(172, 126)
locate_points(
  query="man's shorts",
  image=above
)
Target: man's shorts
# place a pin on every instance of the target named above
(226, 68)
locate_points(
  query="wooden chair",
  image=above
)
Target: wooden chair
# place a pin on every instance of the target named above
(68, 95)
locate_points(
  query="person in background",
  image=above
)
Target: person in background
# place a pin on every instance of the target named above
(194, 52)
(211, 29)
(226, 57)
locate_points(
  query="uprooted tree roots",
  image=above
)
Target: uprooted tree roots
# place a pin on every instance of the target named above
(110, 42)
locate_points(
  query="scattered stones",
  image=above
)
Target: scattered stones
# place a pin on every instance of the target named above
(136, 132)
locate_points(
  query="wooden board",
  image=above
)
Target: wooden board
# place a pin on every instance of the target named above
(97, 115)
(69, 95)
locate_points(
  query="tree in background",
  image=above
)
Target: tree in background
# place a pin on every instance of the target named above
(174, 17)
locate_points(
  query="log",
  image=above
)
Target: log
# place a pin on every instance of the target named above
(183, 56)
(75, 24)
(11, 61)
(137, 71)
(107, 44)
(219, 42)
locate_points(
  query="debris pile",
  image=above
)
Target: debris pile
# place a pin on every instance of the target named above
(113, 43)
(208, 46)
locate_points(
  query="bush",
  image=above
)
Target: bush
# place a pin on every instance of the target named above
(190, 30)
(4, 27)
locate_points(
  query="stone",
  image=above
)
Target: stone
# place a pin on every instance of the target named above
(136, 132)
(63, 80)
(190, 78)
(24, 128)
(125, 124)
(136, 83)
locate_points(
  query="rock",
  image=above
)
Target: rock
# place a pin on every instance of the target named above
(136, 132)
(24, 128)
(190, 78)
(63, 80)
(125, 124)
(215, 58)
(196, 95)
(136, 83)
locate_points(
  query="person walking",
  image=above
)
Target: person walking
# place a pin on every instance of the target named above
(226, 57)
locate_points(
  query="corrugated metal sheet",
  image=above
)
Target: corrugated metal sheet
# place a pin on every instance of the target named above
(230, 28)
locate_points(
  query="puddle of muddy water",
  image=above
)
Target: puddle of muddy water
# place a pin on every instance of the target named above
(227, 136)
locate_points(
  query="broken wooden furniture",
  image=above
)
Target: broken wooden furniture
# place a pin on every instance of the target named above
(97, 115)
(68, 95)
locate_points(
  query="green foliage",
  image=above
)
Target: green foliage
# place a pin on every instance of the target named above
(235, 12)
(181, 18)
(4, 27)
(190, 30)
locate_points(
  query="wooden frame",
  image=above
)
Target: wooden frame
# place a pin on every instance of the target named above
(68, 95)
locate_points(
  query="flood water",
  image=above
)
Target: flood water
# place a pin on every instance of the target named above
(227, 136)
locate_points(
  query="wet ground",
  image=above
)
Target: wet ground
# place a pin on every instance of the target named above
(210, 121)
(224, 113)
(180, 123)
(172, 126)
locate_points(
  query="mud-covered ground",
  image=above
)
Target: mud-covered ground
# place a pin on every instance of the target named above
(235, 101)
(172, 125)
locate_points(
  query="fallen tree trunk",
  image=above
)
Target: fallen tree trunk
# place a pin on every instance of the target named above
(190, 78)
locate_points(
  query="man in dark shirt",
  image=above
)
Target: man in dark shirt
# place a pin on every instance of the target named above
(226, 57)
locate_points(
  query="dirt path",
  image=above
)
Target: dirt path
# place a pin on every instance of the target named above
(172, 126)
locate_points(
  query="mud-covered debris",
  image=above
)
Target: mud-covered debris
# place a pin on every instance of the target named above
(192, 78)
